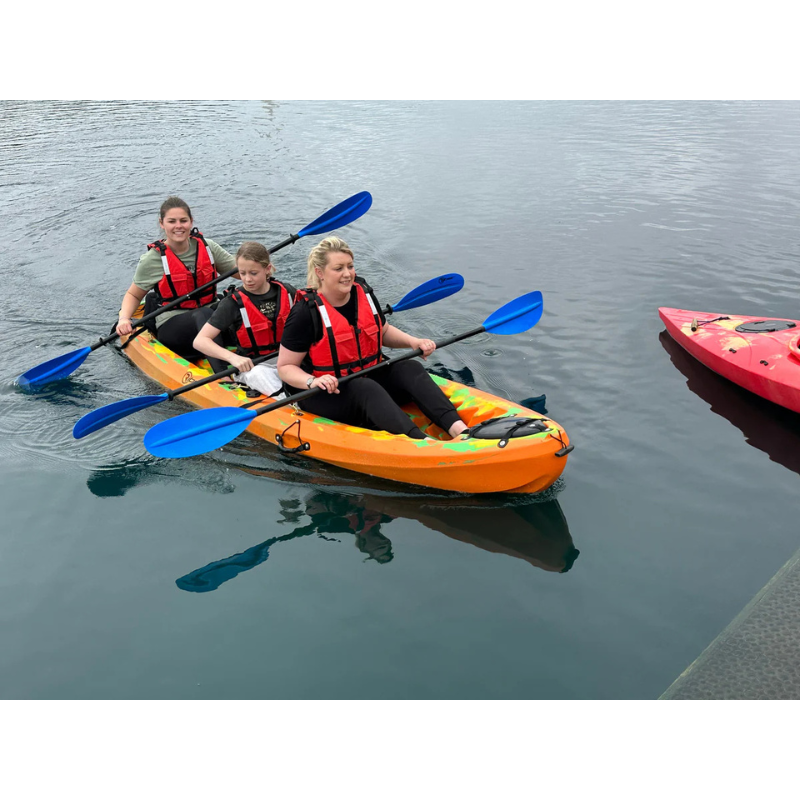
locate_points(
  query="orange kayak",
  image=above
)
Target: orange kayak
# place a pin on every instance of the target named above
(526, 463)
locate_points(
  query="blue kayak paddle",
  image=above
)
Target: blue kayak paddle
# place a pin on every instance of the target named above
(205, 430)
(337, 217)
(426, 293)
(429, 292)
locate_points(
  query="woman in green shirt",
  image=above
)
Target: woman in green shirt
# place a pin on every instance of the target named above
(170, 268)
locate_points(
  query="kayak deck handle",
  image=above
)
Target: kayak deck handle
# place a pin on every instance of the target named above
(300, 448)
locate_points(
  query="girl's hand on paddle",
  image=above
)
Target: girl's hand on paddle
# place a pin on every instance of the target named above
(326, 382)
(426, 345)
(124, 327)
(242, 363)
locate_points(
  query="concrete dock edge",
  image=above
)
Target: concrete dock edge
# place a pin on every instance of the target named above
(757, 657)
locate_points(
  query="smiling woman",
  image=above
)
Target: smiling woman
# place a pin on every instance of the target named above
(171, 267)
(335, 329)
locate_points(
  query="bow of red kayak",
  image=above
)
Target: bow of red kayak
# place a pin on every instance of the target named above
(760, 354)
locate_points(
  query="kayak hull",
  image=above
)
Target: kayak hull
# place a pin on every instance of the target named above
(525, 465)
(766, 363)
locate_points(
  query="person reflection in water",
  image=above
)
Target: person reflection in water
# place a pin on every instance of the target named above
(338, 514)
(536, 533)
(329, 515)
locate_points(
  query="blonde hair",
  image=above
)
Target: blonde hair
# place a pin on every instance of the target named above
(255, 251)
(318, 258)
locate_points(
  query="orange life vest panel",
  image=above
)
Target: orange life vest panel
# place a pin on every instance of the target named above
(178, 280)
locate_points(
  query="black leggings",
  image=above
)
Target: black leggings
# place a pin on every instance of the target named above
(178, 333)
(373, 401)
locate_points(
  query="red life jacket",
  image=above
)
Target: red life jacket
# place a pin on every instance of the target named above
(341, 348)
(178, 280)
(258, 334)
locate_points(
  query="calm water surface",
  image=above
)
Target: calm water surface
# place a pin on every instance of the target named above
(249, 574)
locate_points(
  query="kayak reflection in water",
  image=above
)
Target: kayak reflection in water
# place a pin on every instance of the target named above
(766, 426)
(534, 532)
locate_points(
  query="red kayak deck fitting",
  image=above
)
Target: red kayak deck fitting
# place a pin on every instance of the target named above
(757, 353)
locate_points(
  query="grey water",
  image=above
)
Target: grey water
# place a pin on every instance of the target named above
(247, 573)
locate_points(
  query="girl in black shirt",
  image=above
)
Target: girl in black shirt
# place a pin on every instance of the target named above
(265, 294)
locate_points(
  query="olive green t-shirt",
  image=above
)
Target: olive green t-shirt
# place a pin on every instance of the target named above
(150, 271)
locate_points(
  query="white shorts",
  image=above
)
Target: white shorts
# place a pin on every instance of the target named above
(263, 378)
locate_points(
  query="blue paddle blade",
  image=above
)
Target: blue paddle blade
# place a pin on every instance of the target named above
(431, 291)
(53, 369)
(343, 214)
(517, 316)
(100, 417)
(198, 432)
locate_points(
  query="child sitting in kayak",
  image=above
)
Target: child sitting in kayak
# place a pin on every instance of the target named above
(252, 318)
(336, 328)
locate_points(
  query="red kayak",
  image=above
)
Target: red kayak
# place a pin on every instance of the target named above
(757, 353)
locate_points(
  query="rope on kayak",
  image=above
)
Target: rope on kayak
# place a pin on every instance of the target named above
(696, 324)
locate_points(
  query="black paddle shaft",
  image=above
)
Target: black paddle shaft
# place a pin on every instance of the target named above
(215, 377)
(296, 398)
(178, 300)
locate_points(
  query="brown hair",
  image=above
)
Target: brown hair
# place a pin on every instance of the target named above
(174, 202)
(255, 251)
